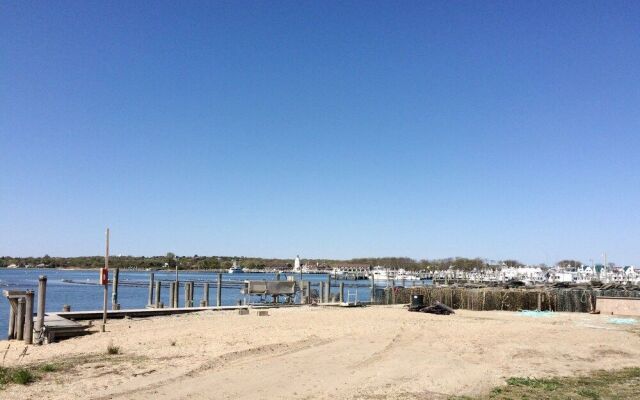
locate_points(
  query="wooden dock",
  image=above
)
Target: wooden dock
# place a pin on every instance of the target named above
(140, 312)
(57, 327)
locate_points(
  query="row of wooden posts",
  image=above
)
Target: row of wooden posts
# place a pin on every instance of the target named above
(21, 313)
(325, 295)
(155, 293)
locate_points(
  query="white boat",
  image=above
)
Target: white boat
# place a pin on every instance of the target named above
(235, 269)
(380, 273)
(402, 275)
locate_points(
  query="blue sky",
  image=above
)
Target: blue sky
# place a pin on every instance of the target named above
(326, 129)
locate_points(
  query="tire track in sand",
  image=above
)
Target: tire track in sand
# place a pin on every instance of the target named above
(226, 359)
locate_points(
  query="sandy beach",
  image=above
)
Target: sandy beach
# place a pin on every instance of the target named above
(323, 353)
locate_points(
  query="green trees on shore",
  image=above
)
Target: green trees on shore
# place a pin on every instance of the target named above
(170, 261)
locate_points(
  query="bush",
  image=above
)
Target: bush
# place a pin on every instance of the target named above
(113, 349)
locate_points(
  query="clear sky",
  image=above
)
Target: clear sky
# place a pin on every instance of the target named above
(325, 129)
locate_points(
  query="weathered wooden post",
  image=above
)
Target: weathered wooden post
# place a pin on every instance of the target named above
(13, 311)
(341, 292)
(20, 319)
(28, 318)
(176, 295)
(205, 294)
(219, 291)
(66, 308)
(151, 279)
(114, 290)
(158, 294)
(307, 292)
(539, 301)
(393, 291)
(186, 294)
(373, 289)
(328, 289)
(42, 296)
(104, 277)
(191, 290)
(303, 292)
(321, 292)
(172, 294)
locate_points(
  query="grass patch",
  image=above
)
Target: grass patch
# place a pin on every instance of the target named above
(548, 385)
(600, 385)
(621, 384)
(49, 367)
(21, 376)
(113, 349)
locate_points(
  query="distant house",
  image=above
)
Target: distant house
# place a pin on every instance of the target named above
(12, 266)
(630, 271)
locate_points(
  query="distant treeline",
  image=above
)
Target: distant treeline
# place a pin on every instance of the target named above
(170, 261)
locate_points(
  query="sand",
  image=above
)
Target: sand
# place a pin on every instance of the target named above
(324, 353)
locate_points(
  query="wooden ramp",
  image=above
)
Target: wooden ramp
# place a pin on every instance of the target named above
(57, 327)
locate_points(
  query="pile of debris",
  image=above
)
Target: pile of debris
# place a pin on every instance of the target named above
(436, 308)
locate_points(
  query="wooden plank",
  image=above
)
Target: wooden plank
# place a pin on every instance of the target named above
(14, 294)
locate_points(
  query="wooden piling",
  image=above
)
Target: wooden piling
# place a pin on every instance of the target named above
(304, 299)
(106, 284)
(539, 301)
(28, 318)
(219, 291)
(341, 292)
(172, 294)
(114, 290)
(176, 295)
(393, 291)
(328, 289)
(186, 295)
(13, 311)
(308, 293)
(151, 279)
(42, 296)
(205, 294)
(373, 289)
(20, 319)
(66, 308)
(321, 292)
(157, 293)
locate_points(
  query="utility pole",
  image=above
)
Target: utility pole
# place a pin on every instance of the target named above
(105, 282)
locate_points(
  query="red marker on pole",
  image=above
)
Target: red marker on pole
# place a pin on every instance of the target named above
(104, 280)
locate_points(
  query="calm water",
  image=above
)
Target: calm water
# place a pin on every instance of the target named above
(90, 297)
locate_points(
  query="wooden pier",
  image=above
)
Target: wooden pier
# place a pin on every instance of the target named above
(141, 312)
(52, 326)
